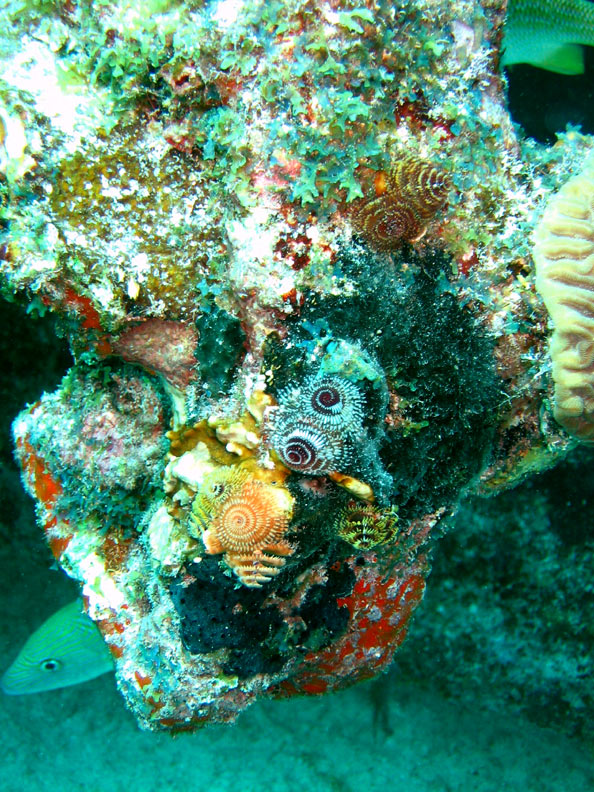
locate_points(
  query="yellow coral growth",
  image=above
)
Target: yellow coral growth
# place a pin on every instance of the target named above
(217, 487)
(564, 258)
(245, 518)
(364, 526)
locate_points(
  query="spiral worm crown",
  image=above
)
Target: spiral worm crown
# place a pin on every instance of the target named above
(334, 402)
(245, 519)
(216, 488)
(306, 448)
(402, 203)
(364, 526)
(250, 518)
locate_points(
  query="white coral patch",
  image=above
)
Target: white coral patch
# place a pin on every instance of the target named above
(253, 265)
(191, 467)
(100, 588)
(252, 240)
(14, 161)
(169, 546)
(226, 12)
(73, 109)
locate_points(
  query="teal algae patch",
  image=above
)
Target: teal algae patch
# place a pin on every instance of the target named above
(220, 348)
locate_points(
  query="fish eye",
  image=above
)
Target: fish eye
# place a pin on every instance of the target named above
(50, 664)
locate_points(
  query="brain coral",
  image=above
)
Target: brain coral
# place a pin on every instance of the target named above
(564, 258)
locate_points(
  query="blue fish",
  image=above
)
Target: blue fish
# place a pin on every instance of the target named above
(67, 649)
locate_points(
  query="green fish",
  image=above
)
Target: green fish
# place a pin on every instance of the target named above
(67, 649)
(548, 34)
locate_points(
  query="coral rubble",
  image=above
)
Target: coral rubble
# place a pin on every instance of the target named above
(289, 244)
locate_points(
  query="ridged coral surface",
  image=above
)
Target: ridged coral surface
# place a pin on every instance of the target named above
(564, 256)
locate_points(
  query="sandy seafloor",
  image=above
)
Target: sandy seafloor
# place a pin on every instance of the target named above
(398, 736)
(84, 740)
